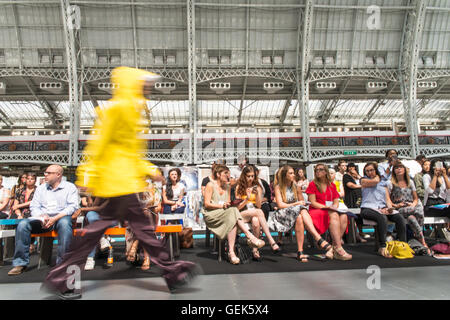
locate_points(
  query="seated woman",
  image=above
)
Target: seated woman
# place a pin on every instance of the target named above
(249, 191)
(173, 193)
(151, 200)
(401, 195)
(292, 212)
(418, 179)
(4, 200)
(374, 206)
(437, 189)
(220, 217)
(21, 206)
(324, 200)
(90, 207)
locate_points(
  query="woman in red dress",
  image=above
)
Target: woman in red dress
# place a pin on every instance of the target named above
(324, 200)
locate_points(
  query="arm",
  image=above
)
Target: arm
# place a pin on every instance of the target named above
(166, 200)
(370, 183)
(352, 185)
(238, 196)
(258, 197)
(415, 199)
(4, 204)
(388, 199)
(314, 203)
(300, 196)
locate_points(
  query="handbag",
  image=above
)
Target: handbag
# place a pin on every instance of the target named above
(186, 238)
(399, 250)
(236, 202)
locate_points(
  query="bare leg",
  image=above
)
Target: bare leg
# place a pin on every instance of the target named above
(231, 236)
(299, 232)
(259, 214)
(335, 229)
(256, 230)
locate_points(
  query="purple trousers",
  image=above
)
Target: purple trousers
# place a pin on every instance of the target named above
(120, 208)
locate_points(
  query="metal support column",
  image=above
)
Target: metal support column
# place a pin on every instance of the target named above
(71, 34)
(192, 70)
(412, 34)
(303, 79)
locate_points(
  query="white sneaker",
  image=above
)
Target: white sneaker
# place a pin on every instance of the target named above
(104, 244)
(90, 264)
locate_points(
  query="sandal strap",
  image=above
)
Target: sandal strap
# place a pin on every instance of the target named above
(319, 243)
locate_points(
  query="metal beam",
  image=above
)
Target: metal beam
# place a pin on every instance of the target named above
(75, 88)
(192, 81)
(325, 114)
(18, 37)
(247, 38)
(409, 55)
(133, 20)
(303, 79)
(48, 107)
(377, 103)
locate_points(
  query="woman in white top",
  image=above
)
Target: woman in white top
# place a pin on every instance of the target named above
(4, 200)
(173, 193)
(301, 180)
(437, 189)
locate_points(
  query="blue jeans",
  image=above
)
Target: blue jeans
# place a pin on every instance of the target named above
(91, 217)
(23, 238)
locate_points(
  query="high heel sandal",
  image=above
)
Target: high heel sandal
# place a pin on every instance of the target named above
(233, 259)
(146, 264)
(131, 256)
(256, 255)
(255, 243)
(328, 248)
(341, 254)
(384, 253)
(300, 258)
(275, 251)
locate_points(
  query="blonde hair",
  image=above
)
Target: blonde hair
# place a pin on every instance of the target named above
(283, 183)
(327, 177)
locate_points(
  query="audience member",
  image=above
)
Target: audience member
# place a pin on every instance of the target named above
(249, 191)
(17, 189)
(292, 212)
(173, 193)
(437, 189)
(338, 184)
(90, 207)
(235, 172)
(220, 217)
(51, 209)
(418, 179)
(341, 170)
(385, 168)
(402, 196)
(4, 200)
(301, 180)
(21, 207)
(374, 207)
(266, 194)
(324, 200)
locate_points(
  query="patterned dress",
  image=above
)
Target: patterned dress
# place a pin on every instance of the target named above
(399, 195)
(283, 220)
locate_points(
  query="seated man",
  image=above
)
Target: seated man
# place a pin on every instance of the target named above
(52, 207)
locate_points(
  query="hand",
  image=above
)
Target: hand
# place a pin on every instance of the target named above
(226, 205)
(249, 192)
(302, 203)
(76, 214)
(15, 207)
(386, 210)
(50, 222)
(180, 204)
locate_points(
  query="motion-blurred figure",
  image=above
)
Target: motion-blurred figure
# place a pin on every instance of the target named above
(115, 171)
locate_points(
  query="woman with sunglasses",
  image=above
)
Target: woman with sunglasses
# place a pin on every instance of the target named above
(324, 200)
(401, 195)
(374, 206)
(292, 212)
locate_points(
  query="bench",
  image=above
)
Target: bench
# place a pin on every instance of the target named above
(366, 222)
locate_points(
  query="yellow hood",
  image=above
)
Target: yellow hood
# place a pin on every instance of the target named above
(114, 165)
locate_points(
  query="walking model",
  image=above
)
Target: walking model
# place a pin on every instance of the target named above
(114, 171)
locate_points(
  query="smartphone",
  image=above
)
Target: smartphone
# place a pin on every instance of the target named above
(439, 165)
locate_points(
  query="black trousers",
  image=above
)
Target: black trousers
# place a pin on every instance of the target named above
(120, 208)
(381, 220)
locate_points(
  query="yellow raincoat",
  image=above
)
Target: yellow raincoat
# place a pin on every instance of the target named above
(115, 166)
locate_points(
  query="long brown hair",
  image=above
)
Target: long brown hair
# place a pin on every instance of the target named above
(242, 182)
(327, 177)
(283, 183)
(394, 179)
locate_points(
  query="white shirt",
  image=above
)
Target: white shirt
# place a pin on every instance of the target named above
(442, 192)
(178, 191)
